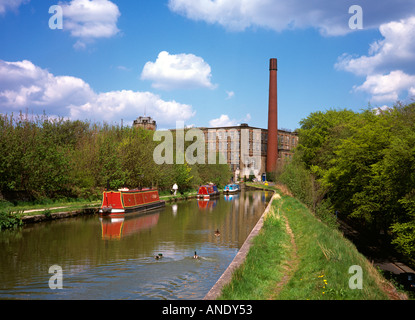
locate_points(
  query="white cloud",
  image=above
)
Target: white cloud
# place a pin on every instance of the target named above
(247, 118)
(387, 87)
(225, 121)
(80, 45)
(395, 50)
(173, 71)
(222, 121)
(90, 19)
(6, 5)
(123, 68)
(127, 104)
(328, 16)
(389, 65)
(230, 95)
(24, 85)
(380, 110)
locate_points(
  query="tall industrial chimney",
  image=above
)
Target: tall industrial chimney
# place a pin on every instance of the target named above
(272, 151)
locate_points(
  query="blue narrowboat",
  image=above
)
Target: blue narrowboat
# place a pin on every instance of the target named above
(232, 188)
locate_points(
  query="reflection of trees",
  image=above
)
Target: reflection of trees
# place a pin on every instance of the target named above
(243, 215)
(77, 244)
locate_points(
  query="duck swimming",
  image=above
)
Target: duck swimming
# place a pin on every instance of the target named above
(217, 233)
(196, 256)
(158, 257)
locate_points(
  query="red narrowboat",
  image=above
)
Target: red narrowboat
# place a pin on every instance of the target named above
(125, 200)
(207, 191)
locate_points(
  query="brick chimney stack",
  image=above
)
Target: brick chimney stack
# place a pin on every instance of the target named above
(272, 149)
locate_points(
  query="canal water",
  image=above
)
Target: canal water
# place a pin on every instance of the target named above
(103, 258)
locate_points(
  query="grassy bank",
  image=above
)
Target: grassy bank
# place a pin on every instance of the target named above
(54, 206)
(28, 208)
(297, 257)
(167, 196)
(11, 215)
(264, 265)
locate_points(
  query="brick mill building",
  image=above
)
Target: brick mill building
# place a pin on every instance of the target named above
(266, 149)
(222, 139)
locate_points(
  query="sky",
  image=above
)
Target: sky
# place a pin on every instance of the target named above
(204, 62)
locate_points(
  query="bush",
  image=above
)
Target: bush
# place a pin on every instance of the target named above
(300, 182)
(5, 204)
(404, 238)
(10, 220)
(326, 213)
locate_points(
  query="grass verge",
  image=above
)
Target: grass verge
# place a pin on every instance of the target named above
(265, 263)
(323, 260)
(36, 208)
(11, 215)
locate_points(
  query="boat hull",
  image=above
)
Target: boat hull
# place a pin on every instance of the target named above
(207, 192)
(122, 202)
(231, 188)
(207, 196)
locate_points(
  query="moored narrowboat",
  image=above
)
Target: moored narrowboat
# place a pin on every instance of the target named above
(232, 188)
(125, 200)
(207, 191)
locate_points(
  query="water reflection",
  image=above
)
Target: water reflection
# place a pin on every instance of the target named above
(114, 259)
(231, 197)
(114, 228)
(174, 209)
(208, 205)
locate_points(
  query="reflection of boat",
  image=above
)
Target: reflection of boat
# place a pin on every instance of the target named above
(125, 200)
(117, 227)
(232, 188)
(230, 197)
(207, 191)
(206, 204)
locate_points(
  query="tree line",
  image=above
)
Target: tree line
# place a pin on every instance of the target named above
(46, 157)
(361, 167)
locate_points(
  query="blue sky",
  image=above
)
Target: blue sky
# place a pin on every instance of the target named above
(201, 61)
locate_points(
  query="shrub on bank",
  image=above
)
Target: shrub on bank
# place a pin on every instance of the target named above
(10, 220)
(44, 159)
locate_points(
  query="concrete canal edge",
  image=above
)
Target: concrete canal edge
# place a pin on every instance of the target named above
(240, 257)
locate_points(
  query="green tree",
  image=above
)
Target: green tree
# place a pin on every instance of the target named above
(319, 134)
(363, 165)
